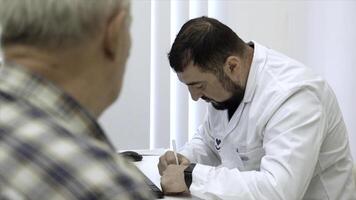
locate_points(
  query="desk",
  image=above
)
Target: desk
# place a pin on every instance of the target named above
(148, 166)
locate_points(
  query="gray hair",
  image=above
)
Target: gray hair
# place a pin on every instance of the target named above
(54, 23)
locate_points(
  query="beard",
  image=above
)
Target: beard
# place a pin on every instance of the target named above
(234, 101)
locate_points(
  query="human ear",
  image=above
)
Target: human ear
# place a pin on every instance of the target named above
(232, 67)
(113, 32)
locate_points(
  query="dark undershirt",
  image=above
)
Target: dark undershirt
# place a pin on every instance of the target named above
(231, 111)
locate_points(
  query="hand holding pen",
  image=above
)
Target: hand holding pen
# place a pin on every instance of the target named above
(171, 168)
(171, 158)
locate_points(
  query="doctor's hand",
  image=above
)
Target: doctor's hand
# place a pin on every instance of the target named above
(172, 180)
(169, 159)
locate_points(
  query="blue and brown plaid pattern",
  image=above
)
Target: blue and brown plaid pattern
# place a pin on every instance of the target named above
(51, 148)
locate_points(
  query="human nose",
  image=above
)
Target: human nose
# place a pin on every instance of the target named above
(195, 93)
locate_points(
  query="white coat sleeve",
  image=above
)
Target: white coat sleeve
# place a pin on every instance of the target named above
(198, 150)
(292, 139)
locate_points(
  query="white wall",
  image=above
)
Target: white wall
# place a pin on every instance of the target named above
(331, 51)
(321, 34)
(127, 122)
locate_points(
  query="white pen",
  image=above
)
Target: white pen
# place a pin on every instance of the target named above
(175, 150)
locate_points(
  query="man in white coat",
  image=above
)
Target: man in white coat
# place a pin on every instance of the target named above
(273, 130)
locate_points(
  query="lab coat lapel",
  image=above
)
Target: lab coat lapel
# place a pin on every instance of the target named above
(258, 61)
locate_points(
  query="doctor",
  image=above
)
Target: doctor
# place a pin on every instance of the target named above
(273, 129)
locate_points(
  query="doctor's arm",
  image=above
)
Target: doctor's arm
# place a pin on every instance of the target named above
(292, 140)
(200, 148)
(197, 150)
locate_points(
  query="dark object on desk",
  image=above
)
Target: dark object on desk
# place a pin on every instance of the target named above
(132, 155)
(155, 190)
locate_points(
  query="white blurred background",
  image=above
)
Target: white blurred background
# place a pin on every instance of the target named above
(154, 108)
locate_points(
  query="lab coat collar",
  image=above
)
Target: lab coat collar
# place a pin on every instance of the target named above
(258, 62)
(257, 65)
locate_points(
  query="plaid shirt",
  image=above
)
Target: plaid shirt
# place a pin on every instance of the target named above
(51, 148)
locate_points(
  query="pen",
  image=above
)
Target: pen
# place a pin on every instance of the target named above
(175, 150)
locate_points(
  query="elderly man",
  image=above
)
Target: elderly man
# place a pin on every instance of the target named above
(63, 65)
(273, 130)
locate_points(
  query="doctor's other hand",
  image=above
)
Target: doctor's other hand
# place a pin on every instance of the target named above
(172, 180)
(169, 159)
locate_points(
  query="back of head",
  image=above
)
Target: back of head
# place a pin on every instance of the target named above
(206, 42)
(53, 23)
(67, 42)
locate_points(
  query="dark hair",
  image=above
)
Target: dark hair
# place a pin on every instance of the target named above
(207, 43)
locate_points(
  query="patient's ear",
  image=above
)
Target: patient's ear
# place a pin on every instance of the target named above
(232, 67)
(113, 32)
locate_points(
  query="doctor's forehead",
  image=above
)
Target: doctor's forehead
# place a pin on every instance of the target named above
(190, 75)
(188, 78)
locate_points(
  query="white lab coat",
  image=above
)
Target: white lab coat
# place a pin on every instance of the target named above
(287, 139)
